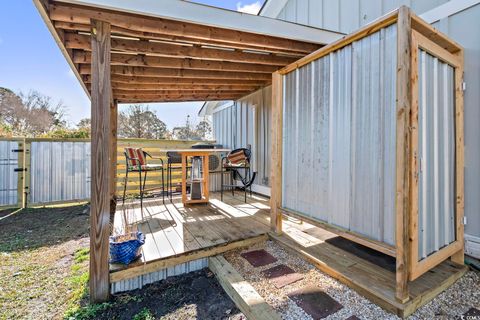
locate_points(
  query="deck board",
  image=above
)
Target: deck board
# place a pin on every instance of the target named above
(175, 234)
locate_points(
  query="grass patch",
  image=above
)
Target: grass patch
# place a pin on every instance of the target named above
(78, 283)
(144, 314)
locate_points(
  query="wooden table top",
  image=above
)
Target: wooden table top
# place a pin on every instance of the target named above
(195, 150)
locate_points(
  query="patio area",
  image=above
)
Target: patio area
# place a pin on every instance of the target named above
(176, 234)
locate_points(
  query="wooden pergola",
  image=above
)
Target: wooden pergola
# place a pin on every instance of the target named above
(165, 51)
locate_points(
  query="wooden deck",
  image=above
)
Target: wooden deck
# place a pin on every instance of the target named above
(176, 234)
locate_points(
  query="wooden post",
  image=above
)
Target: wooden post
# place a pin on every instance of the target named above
(276, 158)
(113, 156)
(100, 162)
(459, 257)
(403, 106)
(21, 174)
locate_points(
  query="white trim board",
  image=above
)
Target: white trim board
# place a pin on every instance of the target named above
(448, 9)
(205, 15)
(272, 8)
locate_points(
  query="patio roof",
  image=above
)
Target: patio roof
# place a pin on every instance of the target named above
(172, 50)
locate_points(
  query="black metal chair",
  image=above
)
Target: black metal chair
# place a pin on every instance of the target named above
(136, 161)
(174, 163)
(236, 162)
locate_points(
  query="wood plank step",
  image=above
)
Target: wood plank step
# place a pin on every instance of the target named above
(240, 291)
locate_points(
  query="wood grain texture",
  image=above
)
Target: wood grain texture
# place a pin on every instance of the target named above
(121, 59)
(240, 291)
(276, 155)
(124, 32)
(460, 158)
(69, 14)
(100, 163)
(403, 108)
(80, 41)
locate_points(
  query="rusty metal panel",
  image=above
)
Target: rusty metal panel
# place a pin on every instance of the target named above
(436, 221)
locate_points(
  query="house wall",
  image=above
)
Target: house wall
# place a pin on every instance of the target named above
(348, 15)
(247, 123)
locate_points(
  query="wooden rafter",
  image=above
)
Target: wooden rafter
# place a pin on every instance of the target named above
(82, 15)
(178, 81)
(181, 87)
(81, 41)
(118, 31)
(134, 60)
(178, 73)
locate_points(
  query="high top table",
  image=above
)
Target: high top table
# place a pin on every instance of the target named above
(203, 154)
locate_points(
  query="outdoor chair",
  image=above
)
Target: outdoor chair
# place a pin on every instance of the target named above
(136, 161)
(174, 163)
(237, 162)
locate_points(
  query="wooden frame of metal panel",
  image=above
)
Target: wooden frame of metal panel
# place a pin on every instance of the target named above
(455, 249)
(412, 33)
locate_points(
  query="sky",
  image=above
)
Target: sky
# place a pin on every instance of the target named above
(31, 60)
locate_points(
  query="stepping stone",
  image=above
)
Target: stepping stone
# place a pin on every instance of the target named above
(259, 258)
(472, 312)
(282, 275)
(353, 318)
(315, 302)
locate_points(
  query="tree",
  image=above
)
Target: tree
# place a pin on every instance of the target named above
(204, 129)
(139, 122)
(30, 114)
(85, 123)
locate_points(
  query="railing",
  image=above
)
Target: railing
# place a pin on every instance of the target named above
(42, 170)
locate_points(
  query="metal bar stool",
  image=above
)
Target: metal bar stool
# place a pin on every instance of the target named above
(136, 161)
(174, 163)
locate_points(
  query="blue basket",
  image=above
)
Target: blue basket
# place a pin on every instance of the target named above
(126, 251)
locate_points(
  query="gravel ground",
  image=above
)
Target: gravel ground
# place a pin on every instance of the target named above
(460, 297)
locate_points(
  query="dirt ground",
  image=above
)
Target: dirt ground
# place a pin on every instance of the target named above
(44, 275)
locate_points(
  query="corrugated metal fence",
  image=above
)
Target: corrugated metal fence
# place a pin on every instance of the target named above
(339, 137)
(59, 170)
(8, 177)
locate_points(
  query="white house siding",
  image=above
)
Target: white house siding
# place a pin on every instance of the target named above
(247, 124)
(347, 15)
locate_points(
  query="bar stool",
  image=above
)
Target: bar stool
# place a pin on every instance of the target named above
(136, 161)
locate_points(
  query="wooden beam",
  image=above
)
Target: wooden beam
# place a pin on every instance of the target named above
(139, 269)
(403, 107)
(71, 14)
(276, 155)
(100, 163)
(252, 305)
(178, 73)
(179, 81)
(80, 41)
(182, 87)
(67, 26)
(123, 59)
(177, 98)
(147, 93)
(433, 34)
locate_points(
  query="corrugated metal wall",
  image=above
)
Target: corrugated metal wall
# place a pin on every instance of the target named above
(339, 137)
(140, 281)
(436, 221)
(59, 171)
(346, 15)
(246, 123)
(8, 178)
